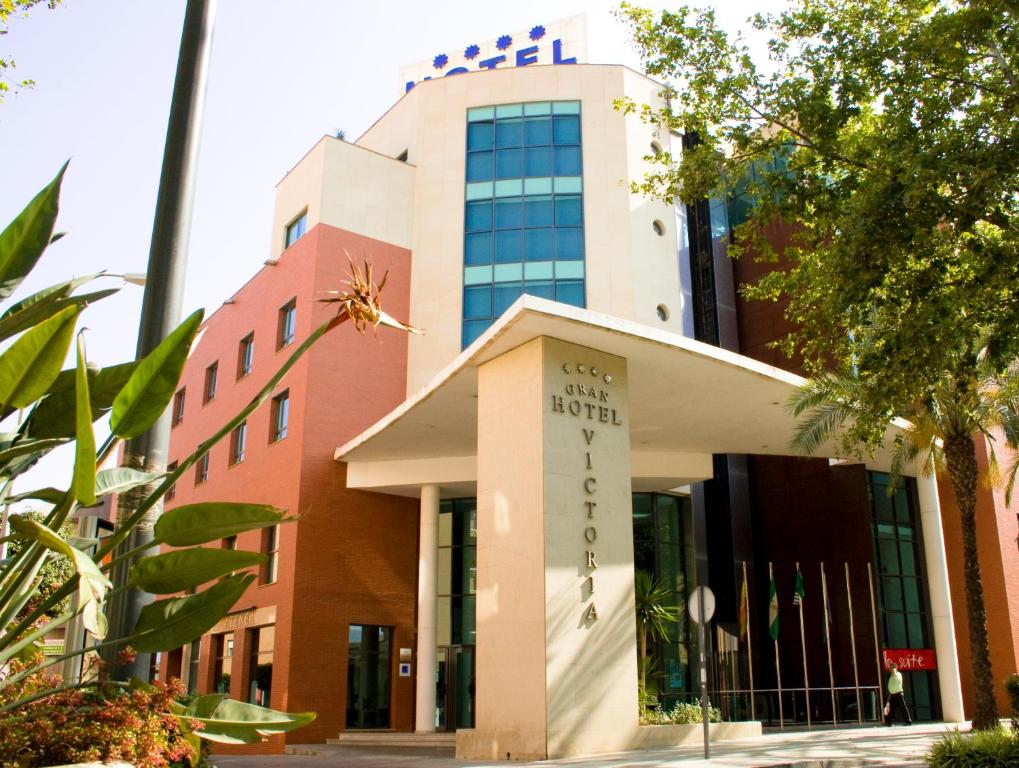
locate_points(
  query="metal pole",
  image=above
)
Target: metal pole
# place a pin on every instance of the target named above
(827, 640)
(750, 647)
(877, 644)
(778, 667)
(164, 295)
(852, 639)
(803, 645)
(704, 687)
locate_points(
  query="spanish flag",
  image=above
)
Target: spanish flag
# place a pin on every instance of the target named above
(773, 609)
(744, 609)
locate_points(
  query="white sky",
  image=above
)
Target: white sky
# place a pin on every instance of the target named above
(282, 74)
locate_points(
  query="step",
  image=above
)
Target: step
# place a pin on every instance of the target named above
(394, 739)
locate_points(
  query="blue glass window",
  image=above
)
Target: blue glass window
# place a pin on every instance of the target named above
(538, 244)
(539, 161)
(505, 295)
(569, 211)
(509, 213)
(479, 136)
(479, 166)
(543, 289)
(570, 292)
(479, 248)
(538, 211)
(478, 302)
(479, 216)
(537, 131)
(524, 212)
(566, 130)
(508, 245)
(509, 163)
(567, 161)
(509, 133)
(569, 243)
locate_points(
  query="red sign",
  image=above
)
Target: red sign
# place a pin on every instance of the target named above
(910, 659)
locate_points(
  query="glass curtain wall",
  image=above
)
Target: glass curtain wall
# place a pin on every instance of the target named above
(903, 610)
(524, 212)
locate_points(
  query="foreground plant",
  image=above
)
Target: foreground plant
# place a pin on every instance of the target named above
(62, 406)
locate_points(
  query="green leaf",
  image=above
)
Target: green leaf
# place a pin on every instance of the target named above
(50, 495)
(46, 303)
(200, 523)
(120, 479)
(176, 621)
(85, 442)
(31, 364)
(26, 447)
(92, 584)
(54, 415)
(25, 238)
(153, 383)
(235, 722)
(187, 568)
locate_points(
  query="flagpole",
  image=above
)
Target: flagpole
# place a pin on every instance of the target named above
(852, 640)
(778, 667)
(750, 647)
(877, 645)
(803, 645)
(827, 640)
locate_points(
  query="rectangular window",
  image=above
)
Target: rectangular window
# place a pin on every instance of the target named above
(296, 229)
(246, 355)
(211, 373)
(270, 548)
(202, 470)
(223, 654)
(230, 542)
(261, 642)
(178, 407)
(171, 492)
(368, 676)
(286, 324)
(238, 442)
(194, 658)
(280, 416)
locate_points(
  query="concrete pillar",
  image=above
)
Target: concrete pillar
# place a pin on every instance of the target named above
(941, 600)
(428, 564)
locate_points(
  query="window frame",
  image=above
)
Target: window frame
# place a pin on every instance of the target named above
(211, 380)
(171, 492)
(268, 573)
(179, 402)
(245, 356)
(202, 469)
(280, 405)
(297, 224)
(286, 324)
(238, 443)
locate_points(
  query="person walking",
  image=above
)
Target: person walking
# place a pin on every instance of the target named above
(896, 699)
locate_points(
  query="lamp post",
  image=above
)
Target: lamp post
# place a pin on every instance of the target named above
(161, 304)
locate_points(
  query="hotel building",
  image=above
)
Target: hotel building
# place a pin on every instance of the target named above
(590, 395)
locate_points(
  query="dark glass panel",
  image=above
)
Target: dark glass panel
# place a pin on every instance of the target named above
(509, 213)
(538, 211)
(569, 243)
(505, 295)
(479, 136)
(569, 211)
(509, 133)
(477, 302)
(567, 161)
(479, 248)
(509, 164)
(538, 244)
(479, 216)
(538, 161)
(538, 131)
(570, 292)
(567, 129)
(479, 166)
(508, 246)
(543, 289)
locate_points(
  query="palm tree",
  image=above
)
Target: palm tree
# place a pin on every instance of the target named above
(654, 615)
(944, 427)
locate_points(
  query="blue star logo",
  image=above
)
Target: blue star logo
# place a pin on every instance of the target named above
(440, 61)
(471, 52)
(504, 42)
(537, 32)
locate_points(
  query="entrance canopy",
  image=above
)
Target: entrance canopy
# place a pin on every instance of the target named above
(688, 400)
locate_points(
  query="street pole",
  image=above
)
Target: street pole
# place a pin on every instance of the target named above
(704, 690)
(161, 304)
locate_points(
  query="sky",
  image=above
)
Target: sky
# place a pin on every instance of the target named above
(281, 75)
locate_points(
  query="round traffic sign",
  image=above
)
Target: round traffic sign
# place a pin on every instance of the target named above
(701, 604)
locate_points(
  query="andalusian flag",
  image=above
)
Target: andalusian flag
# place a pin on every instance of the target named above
(744, 609)
(773, 609)
(798, 591)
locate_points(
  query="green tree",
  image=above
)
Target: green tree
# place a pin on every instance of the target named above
(654, 615)
(883, 133)
(10, 8)
(54, 573)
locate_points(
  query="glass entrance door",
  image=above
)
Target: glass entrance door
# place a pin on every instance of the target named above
(368, 680)
(454, 688)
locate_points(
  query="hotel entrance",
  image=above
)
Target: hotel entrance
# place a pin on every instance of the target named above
(454, 688)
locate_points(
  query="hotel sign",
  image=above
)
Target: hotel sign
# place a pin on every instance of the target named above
(910, 659)
(560, 42)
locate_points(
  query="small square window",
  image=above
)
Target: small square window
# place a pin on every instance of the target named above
(178, 407)
(479, 248)
(280, 416)
(246, 356)
(479, 216)
(238, 443)
(211, 374)
(229, 542)
(171, 492)
(508, 246)
(202, 470)
(295, 229)
(286, 324)
(479, 166)
(477, 302)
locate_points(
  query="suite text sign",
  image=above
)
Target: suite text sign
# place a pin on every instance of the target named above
(910, 659)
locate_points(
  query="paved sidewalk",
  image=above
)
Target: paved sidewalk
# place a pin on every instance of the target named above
(844, 748)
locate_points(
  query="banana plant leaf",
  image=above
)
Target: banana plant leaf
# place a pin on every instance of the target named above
(234, 722)
(184, 569)
(201, 523)
(25, 238)
(30, 365)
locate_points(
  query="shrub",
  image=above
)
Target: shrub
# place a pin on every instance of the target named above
(1012, 688)
(684, 713)
(980, 749)
(97, 723)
